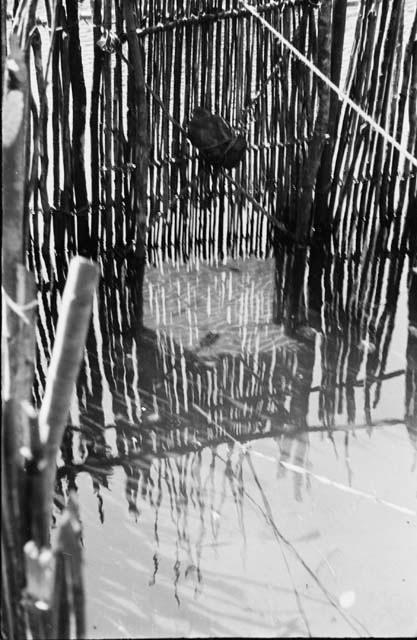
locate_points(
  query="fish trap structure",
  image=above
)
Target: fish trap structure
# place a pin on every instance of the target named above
(317, 156)
(194, 131)
(223, 128)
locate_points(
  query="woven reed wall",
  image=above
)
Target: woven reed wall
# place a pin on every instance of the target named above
(347, 283)
(90, 187)
(218, 56)
(93, 132)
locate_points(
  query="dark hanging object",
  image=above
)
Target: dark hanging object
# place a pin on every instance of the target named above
(215, 139)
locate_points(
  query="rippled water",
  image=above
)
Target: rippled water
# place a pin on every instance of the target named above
(214, 501)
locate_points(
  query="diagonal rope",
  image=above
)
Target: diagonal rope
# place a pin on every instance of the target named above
(306, 472)
(268, 515)
(340, 93)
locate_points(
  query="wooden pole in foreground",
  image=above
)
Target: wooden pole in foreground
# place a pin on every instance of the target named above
(71, 332)
(54, 584)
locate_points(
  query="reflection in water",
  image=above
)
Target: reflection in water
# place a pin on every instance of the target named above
(411, 372)
(180, 403)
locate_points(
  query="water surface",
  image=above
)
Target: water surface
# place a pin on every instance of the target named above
(215, 500)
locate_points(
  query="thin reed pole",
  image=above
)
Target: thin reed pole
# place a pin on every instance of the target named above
(141, 150)
(95, 164)
(79, 102)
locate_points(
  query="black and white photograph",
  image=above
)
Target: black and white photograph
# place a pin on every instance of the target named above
(209, 319)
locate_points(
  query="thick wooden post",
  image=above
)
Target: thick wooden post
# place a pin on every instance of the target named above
(71, 332)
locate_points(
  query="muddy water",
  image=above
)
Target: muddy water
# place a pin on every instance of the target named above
(213, 500)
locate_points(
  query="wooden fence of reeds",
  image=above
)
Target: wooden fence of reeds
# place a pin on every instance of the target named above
(374, 236)
(137, 186)
(138, 181)
(362, 222)
(315, 173)
(363, 213)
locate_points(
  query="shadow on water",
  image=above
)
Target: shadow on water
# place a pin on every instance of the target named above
(230, 355)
